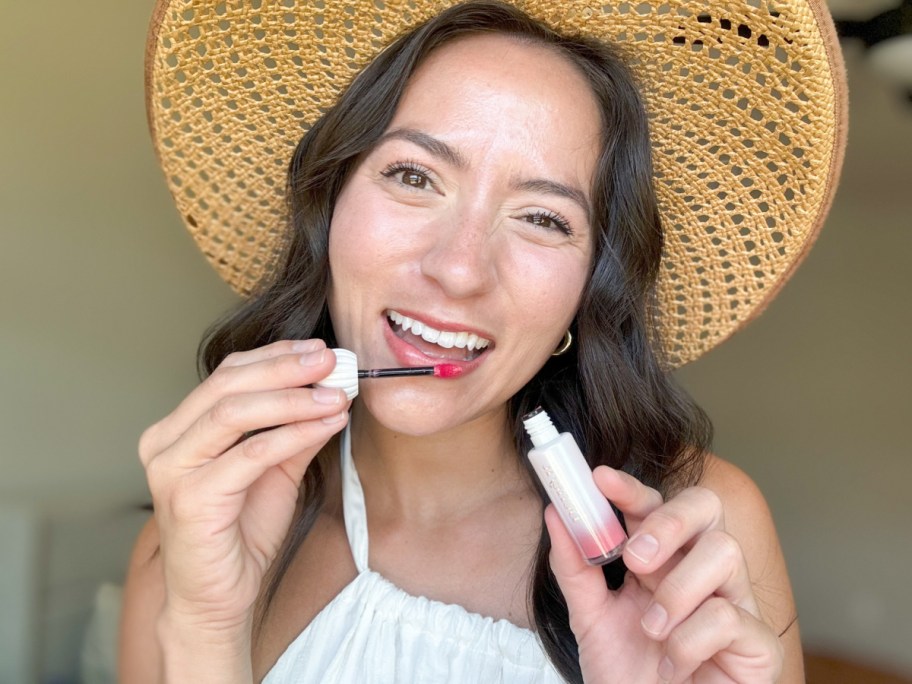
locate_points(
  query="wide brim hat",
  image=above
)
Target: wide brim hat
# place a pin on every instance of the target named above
(746, 99)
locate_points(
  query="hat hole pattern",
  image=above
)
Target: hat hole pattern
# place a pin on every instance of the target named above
(758, 254)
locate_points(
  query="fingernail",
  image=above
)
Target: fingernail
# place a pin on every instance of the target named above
(313, 358)
(654, 619)
(643, 547)
(308, 345)
(335, 418)
(326, 395)
(666, 670)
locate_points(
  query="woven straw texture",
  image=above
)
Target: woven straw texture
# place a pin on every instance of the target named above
(746, 102)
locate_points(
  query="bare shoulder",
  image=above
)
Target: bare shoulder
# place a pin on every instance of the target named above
(745, 506)
(747, 515)
(749, 520)
(139, 657)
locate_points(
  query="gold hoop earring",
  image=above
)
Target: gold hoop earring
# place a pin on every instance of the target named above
(564, 345)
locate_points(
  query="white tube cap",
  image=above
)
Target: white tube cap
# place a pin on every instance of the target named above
(345, 375)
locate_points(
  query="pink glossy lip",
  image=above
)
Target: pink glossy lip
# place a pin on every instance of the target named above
(407, 355)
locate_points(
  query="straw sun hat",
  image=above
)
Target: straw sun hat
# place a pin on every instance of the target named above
(746, 98)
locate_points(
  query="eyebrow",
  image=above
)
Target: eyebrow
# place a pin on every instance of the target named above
(550, 187)
(441, 150)
(432, 145)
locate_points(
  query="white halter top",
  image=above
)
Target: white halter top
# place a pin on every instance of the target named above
(373, 631)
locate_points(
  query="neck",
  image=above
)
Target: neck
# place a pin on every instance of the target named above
(435, 477)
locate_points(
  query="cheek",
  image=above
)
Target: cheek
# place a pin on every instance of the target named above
(348, 226)
(348, 266)
(547, 289)
(368, 254)
(355, 242)
(367, 235)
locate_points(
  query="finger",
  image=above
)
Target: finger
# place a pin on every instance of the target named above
(233, 416)
(715, 566)
(670, 528)
(583, 585)
(279, 371)
(631, 496)
(268, 351)
(221, 488)
(725, 644)
(272, 372)
(293, 446)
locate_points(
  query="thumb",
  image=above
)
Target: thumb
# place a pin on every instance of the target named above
(583, 585)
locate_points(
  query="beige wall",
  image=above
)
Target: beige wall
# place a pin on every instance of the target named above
(104, 299)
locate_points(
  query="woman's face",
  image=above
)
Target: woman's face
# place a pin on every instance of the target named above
(464, 236)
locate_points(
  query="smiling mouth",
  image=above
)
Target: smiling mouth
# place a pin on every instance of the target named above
(442, 344)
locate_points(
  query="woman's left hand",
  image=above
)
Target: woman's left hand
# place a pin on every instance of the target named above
(687, 610)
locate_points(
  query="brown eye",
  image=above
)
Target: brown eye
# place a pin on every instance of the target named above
(414, 179)
(549, 221)
(410, 175)
(540, 220)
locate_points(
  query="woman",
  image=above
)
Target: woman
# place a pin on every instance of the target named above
(481, 194)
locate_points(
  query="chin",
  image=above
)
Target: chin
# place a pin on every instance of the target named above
(412, 414)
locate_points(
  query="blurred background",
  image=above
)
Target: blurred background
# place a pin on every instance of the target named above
(104, 298)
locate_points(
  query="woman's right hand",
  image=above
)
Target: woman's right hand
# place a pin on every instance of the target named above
(224, 500)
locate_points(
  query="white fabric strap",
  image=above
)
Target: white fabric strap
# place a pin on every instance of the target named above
(353, 509)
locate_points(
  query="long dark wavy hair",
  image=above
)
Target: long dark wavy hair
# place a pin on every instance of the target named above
(611, 390)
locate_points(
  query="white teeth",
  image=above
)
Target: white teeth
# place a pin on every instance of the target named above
(406, 323)
(447, 340)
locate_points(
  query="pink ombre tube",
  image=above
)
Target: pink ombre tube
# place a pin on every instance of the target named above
(566, 477)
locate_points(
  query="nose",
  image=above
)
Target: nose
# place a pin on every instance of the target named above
(461, 256)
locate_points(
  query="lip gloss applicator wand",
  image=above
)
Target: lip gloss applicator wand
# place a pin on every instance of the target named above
(443, 370)
(346, 374)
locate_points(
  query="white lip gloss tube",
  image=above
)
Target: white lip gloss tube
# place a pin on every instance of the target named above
(567, 478)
